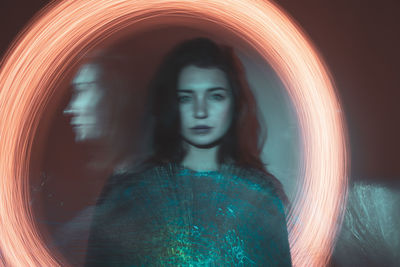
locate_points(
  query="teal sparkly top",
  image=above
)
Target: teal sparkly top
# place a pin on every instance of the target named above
(172, 216)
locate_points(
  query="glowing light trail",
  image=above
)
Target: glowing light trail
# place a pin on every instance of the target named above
(52, 42)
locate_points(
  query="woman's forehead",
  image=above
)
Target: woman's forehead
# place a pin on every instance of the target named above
(87, 73)
(197, 78)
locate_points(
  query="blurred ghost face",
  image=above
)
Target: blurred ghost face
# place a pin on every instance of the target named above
(205, 104)
(84, 105)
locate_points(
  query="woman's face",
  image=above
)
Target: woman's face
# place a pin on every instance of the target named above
(205, 103)
(84, 105)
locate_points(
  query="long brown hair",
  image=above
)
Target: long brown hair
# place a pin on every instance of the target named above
(243, 142)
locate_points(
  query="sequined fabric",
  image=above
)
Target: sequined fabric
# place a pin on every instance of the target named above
(173, 216)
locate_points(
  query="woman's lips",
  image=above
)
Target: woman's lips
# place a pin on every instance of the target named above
(201, 129)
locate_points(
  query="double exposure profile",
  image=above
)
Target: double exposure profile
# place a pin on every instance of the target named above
(105, 108)
(203, 197)
(104, 112)
(88, 94)
(370, 235)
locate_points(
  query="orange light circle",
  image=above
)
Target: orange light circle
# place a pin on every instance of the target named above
(42, 54)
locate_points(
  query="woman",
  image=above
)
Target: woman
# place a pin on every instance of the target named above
(203, 198)
(102, 98)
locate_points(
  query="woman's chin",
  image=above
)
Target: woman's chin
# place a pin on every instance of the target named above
(203, 143)
(86, 135)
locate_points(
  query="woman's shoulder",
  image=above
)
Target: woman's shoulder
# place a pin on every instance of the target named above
(132, 173)
(137, 173)
(249, 175)
(266, 182)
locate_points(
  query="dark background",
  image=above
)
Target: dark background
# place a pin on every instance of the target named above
(360, 43)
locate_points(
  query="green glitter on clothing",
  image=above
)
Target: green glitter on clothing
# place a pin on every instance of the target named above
(172, 216)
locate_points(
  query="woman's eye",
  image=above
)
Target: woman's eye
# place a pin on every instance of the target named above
(183, 99)
(217, 97)
(77, 95)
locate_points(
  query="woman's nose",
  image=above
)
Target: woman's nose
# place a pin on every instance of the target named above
(69, 110)
(74, 105)
(201, 109)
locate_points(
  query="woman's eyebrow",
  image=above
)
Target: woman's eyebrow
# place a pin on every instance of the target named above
(217, 88)
(81, 85)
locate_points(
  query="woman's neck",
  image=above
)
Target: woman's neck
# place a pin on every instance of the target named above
(201, 159)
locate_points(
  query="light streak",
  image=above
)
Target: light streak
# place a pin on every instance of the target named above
(52, 43)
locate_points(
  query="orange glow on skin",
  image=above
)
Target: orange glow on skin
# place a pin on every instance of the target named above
(52, 42)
